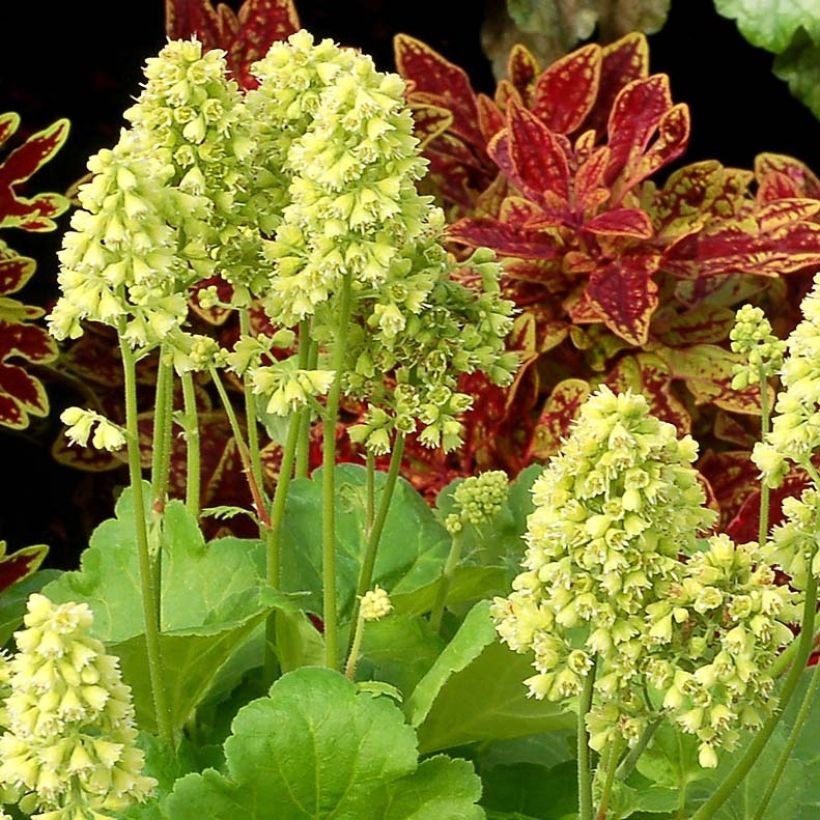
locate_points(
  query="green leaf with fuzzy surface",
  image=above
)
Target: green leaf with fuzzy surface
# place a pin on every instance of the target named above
(474, 692)
(799, 66)
(13, 601)
(315, 748)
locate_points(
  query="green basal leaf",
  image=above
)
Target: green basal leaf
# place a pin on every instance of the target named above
(530, 790)
(13, 601)
(413, 547)
(212, 601)
(799, 66)
(315, 748)
(474, 692)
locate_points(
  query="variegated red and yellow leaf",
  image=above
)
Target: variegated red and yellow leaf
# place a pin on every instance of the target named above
(429, 122)
(520, 212)
(565, 92)
(560, 410)
(522, 70)
(20, 564)
(95, 358)
(15, 271)
(625, 294)
(627, 222)
(622, 62)
(506, 239)
(540, 165)
(490, 119)
(732, 477)
(780, 177)
(725, 290)
(434, 75)
(704, 323)
(590, 190)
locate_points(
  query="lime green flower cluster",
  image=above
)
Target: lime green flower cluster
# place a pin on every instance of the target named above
(753, 339)
(70, 745)
(795, 433)
(80, 423)
(613, 512)
(716, 633)
(478, 499)
(375, 605)
(288, 387)
(793, 545)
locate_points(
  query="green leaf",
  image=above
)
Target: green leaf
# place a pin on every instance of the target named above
(413, 547)
(799, 66)
(298, 642)
(212, 601)
(468, 584)
(531, 790)
(474, 691)
(315, 748)
(13, 601)
(771, 24)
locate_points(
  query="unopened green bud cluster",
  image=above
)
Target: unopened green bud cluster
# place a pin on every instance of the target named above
(478, 499)
(761, 350)
(69, 749)
(793, 544)
(605, 587)
(795, 433)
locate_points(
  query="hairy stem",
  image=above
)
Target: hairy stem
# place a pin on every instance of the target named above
(794, 735)
(250, 408)
(192, 455)
(629, 762)
(150, 593)
(306, 349)
(374, 531)
(453, 557)
(611, 767)
(370, 508)
(329, 477)
(355, 649)
(584, 770)
(763, 516)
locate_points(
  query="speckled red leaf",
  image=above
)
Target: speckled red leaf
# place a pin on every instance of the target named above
(95, 357)
(724, 290)
(27, 391)
(565, 92)
(518, 212)
(212, 315)
(184, 18)
(33, 214)
(636, 114)
(702, 324)
(87, 459)
(506, 239)
(622, 62)
(708, 370)
(590, 190)
(782, 212)
(15, 271)
(629, 222)
(671, 141)
(522, 69)
(506, 94)
(490, 118)
(559, 411)
(20, 564)
(430, 121)
(540, 164)
(732, 476)
(499, 151)
(648, 374)
(626, 295)
(433, 74)
(780, 177)
(29, 342)
(745, 525)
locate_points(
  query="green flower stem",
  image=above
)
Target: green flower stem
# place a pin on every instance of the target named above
(784, 660)
(355, 649)
(454, 556)
(742, 767)
(272, 545)
(616, 747)
(628, 764)
(163, 424)
(192, 455)
(370, 510)
(374, 531)
(763, 516)
(250, 408)
(150, 593)
(306, 349)
(584, 770)
(255, 488)
(329, 477)
(794, 735)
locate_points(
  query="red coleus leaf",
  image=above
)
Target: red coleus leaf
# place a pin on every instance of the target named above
(782, 177)
(590, 190)
(15, 271)
(565, 92)
(490, 118)
(20, 564)
(559, 411)
(32, 214)
(622, 62)
(21, 394)
(429, 122)
(540, 164)
(728, 428)
(95, 357)
(628, 222)
(245, 37)
(506, 239)
(745, 525)
(87, 459)
(522, 69)
(732, 477)
(448, 84)
(703, 323)
(625, 294)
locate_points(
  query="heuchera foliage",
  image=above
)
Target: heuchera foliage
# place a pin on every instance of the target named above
(620, 279)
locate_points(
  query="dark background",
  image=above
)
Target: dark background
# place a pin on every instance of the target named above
(82, 60)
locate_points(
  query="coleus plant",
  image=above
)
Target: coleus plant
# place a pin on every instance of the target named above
(619, 279)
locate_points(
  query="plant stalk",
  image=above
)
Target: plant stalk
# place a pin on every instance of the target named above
(763, 515)
(250, 408)
(163, 424)
(192, 453)
(329, 477)
(454, 556)
(628, 764)
(611, 767)
(355, 649)
(370, 508)
(150, 593)
(584, 770)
